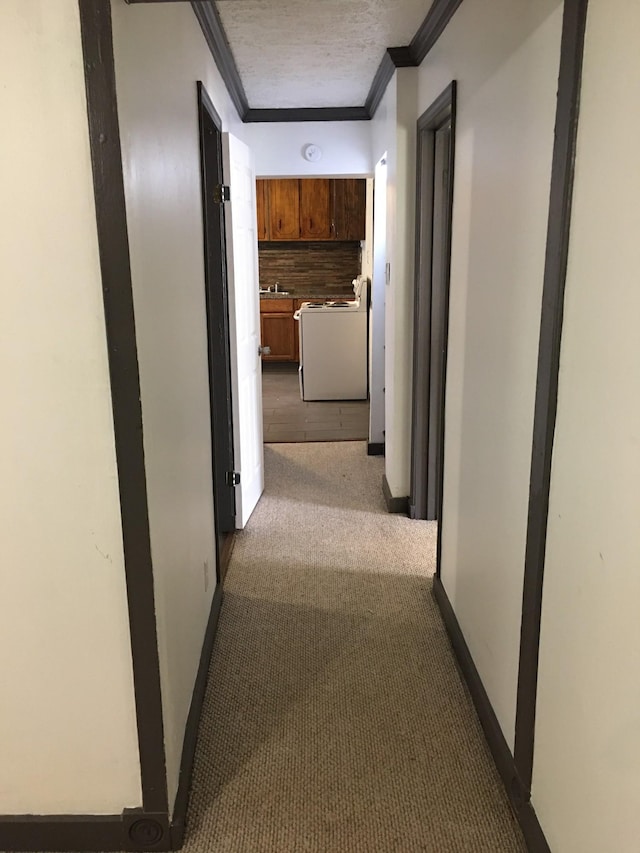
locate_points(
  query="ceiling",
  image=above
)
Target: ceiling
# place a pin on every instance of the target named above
(315, 53)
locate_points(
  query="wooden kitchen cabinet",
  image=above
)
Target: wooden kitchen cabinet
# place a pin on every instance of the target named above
(349, 203)
(309, 209)
(315, 209)
(278, 329)
(284, 210)
(262, 207)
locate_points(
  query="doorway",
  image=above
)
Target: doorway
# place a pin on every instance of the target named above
(314, 298)
(217, 301)
(435, 158)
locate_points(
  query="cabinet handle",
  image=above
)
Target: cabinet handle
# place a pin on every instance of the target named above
(310, 224)
(280, 224)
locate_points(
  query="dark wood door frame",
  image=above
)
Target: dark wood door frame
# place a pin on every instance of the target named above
(430, 326)
(546, 402)
(113, 244)
(217, 302)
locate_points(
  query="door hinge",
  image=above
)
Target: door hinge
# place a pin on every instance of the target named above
(221, 193)
(233, 478)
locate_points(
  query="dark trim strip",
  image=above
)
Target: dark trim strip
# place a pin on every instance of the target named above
(413, 54)
(379, 84)
(215, 36)
(113, 242)
(432, 28)
(394, 505)
(308, 114)
(179, 822)
(132, 830)
(544, 421)
(518, 794)
(402, 57)
(63, 832)
(442, 108)
(375, 448)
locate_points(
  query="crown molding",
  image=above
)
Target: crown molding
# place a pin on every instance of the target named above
(307, 114)
(381, 80)
(215, 36)
(405, 56)
(432, 28)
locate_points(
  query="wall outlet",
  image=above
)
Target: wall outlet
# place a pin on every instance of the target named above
(387, 273)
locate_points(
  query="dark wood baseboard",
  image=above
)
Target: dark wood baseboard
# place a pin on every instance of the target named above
(179, 822)
(519, 795)
(61, 832)
(375, 448)
(395, 505)
(226, 549)
(132, 830)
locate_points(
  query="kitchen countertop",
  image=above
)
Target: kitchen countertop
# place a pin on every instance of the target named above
(310, 294)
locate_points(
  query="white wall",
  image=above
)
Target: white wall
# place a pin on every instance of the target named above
(278, 146)
(68, 736)
(507, 81)
(586, 783)
(160, 53)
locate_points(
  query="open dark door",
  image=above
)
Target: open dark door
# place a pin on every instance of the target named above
(217, 328)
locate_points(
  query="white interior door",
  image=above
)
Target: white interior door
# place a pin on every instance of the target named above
(244, 324)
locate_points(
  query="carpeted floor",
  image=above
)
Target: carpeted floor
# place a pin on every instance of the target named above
(335, 719)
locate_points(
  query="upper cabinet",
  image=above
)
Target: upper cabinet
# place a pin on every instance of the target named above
(348, 209)
(311, 209)
(315, 209)
(284, 210)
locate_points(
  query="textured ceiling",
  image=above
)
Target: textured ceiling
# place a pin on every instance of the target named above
(315, 53)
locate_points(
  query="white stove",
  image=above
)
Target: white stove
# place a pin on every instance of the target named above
(333, 347)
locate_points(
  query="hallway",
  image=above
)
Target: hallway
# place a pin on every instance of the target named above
(335, 720)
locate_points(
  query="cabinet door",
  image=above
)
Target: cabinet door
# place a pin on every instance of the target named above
(284, 210)
(315, 209)
(349, 201)
(277, 332)
(262, 208)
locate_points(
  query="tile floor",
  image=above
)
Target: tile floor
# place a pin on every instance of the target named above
(287, 418)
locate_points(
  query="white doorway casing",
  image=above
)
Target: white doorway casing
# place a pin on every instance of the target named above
(376, 318)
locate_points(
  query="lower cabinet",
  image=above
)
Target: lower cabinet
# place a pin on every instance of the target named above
(278, 329)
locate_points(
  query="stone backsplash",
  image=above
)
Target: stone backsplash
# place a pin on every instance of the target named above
(317, 267)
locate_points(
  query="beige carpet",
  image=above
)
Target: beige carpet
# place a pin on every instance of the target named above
(335, 719)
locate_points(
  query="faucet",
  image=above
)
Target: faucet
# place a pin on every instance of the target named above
(276, 287)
